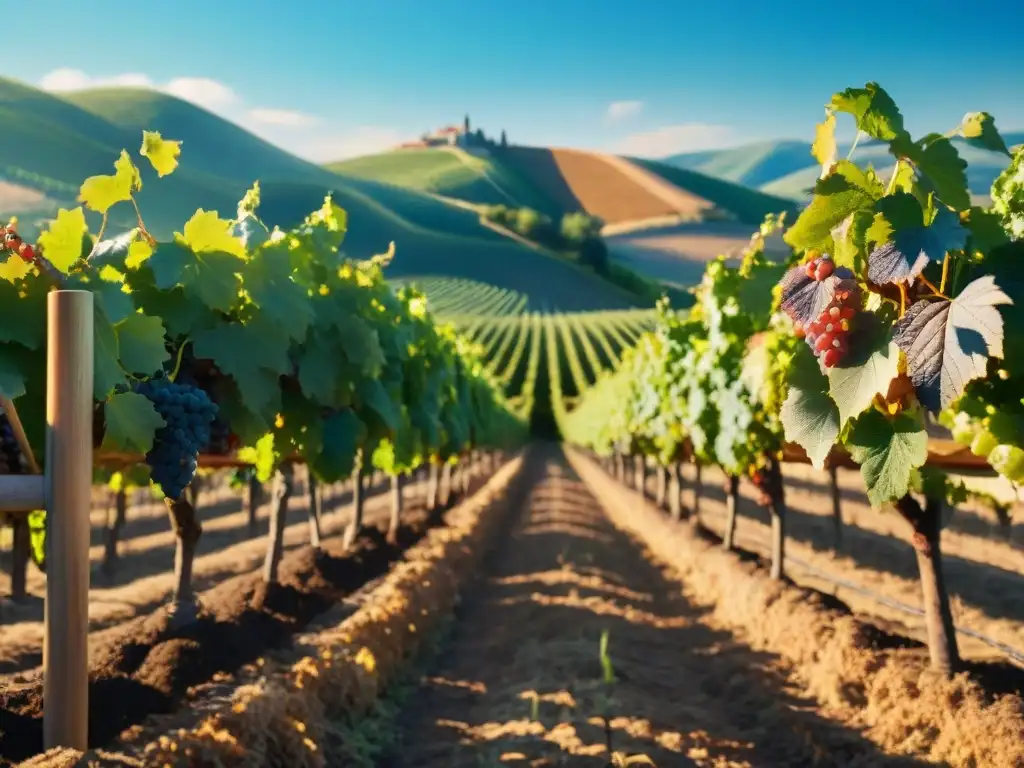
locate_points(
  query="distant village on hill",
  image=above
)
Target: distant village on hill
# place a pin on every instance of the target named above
(457, 136)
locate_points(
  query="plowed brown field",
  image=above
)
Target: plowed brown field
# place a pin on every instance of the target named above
(611, 188)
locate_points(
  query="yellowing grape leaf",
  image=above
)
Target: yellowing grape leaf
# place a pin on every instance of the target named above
(824, 146)
(131, 422)
(101, 192)
(162, 153)
(14, 268)
(206, 232)
(62, 241)
(263, 456)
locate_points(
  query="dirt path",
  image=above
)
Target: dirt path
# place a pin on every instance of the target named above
(520, 681)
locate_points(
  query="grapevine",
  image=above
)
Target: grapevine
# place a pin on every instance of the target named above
(235, 337)
(892, 312)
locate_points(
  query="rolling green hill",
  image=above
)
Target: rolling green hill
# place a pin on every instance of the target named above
(786, 168)
(212, 145)
(58, 142)
(450, 172)
(749, 206)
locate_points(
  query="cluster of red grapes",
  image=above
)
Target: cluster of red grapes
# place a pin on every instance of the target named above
(758, 479)
(12, 241)
(827, 335)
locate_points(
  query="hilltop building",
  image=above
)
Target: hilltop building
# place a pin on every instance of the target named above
(455, 136)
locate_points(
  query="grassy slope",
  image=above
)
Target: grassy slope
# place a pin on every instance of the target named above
(786, 167)
(53, 137)
(451, 173)
(752, 165)
(749, 205)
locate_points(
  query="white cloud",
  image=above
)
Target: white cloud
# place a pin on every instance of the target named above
(283, 117)
(620, 110)
(67, 79)
(203, 91)
(674, 139)
(364, 140)
(292, 130)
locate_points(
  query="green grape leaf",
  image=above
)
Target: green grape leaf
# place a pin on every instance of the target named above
(874, 110)
(844, 191)
(948, 343)
(888, 450)
(12, 380)
(809, 416)
(324, 374)
(213, 275)
(907, 245)
(107, 370)
(343, 434)
(141, 344)
(162, 153)
(22, 316)
(101, 192)
(937, 158)
(850, 241)
(979, 130)
(268, 281)
(869, 368)
(374, 397)
(131, 423)
(253, 355)
(986, 228)
(62, 241)
(251, 231)
(362, 345)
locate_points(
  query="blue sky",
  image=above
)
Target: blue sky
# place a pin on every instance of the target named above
(330, 79)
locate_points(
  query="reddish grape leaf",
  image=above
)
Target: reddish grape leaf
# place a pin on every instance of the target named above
(948, 343)
(804, 298)
(908, 245)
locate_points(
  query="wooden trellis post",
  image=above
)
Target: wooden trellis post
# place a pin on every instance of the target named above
(64, 491)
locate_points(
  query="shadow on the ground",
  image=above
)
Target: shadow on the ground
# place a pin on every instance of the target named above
(522, 680)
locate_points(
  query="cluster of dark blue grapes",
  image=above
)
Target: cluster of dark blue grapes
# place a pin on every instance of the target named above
(10, 452)
(188, 413)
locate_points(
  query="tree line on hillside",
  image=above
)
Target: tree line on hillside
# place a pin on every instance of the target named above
(577, 235)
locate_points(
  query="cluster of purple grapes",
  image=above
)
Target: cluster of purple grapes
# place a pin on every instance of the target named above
(10, 452)
(188, 413)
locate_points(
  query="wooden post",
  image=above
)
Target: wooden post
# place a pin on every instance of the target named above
(69, 388)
